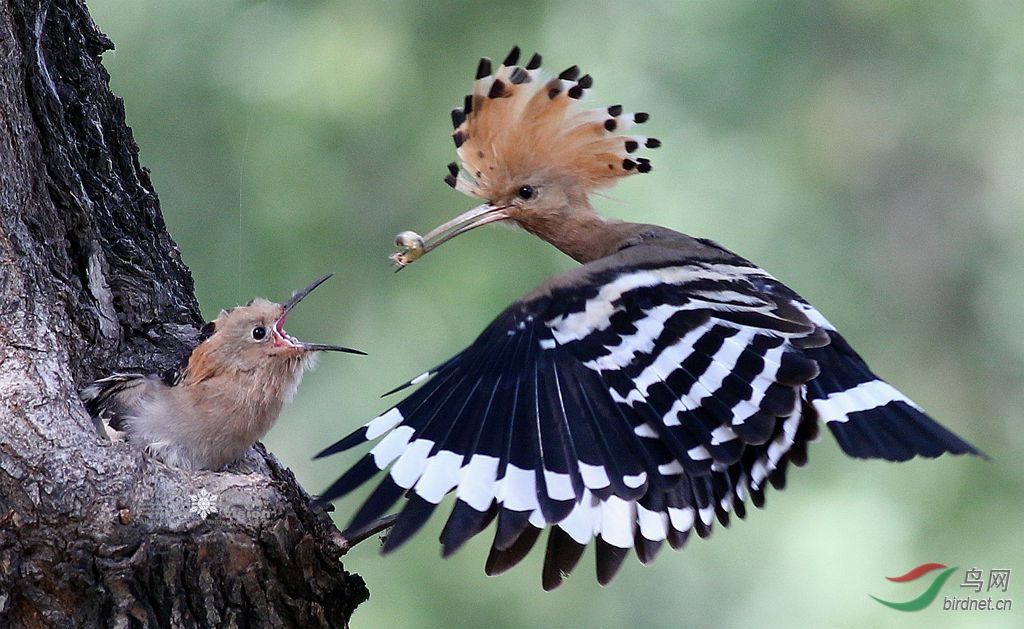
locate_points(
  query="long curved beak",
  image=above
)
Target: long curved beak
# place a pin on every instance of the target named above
(283, 338)
(415, 246)
(321, 347)
(302, 294)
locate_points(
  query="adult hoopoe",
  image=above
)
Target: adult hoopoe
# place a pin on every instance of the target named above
(631, 400)
(226, 396)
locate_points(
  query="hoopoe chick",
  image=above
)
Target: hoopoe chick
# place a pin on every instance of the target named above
(227, 395)
(633, 400)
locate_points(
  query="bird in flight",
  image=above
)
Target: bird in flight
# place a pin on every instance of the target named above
(631, 401)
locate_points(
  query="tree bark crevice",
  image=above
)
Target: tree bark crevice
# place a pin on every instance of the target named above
(95, 533)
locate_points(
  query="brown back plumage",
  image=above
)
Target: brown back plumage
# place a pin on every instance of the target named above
(519, 122)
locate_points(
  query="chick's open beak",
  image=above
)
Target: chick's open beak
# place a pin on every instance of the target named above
(415, 246)
(282, 338)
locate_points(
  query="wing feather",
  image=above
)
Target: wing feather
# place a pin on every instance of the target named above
(631, 408)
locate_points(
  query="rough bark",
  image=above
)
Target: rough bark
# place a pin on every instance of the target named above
(94, 534)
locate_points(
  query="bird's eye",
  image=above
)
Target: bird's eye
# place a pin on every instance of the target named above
(526, 192)
(259, 333)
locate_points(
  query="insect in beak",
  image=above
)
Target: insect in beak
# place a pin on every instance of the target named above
(415, 246)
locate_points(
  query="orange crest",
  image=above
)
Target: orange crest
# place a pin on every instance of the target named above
(519, 121)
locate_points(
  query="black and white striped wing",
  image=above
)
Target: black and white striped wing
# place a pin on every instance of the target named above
(110, 402)
(629, 409)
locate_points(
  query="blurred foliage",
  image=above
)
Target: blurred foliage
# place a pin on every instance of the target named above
(868, 153)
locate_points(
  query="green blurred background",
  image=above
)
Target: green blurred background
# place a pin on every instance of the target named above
(868, 153)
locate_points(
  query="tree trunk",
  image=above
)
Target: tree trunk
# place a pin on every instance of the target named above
(93, 533)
